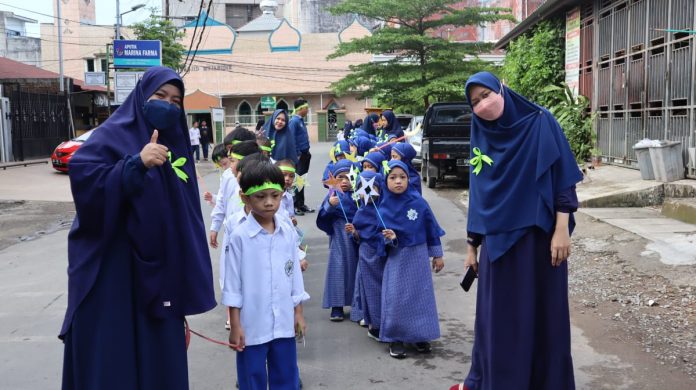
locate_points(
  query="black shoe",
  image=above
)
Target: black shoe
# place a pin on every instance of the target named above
(300, 383)
(336, 314)
(307, 209)
(396, 350)
(373, 334)
(299, 212)
(423, 347)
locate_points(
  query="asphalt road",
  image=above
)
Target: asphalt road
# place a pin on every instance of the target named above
(33, 286)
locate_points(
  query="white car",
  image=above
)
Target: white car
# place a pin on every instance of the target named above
(414, 134)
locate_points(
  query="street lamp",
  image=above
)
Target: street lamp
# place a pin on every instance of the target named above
(119, 16)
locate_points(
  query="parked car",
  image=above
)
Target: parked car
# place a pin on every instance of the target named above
(446, 142)
(415, 137)
(404, 120)
(64, 152)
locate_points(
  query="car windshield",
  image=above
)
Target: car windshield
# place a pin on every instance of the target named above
(452, 115)
(83, 137)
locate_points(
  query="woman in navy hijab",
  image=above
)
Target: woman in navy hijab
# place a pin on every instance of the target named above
(522, 196)
(392, 127)
(277, 130)
(138, 260)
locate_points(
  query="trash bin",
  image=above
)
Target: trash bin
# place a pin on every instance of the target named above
(644, 162)
(667, 161)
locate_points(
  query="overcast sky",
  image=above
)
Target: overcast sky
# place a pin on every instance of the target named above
(106, 11)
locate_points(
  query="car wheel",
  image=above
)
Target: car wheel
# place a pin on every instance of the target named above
(431, 180)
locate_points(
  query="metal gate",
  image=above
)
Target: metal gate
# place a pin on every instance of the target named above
(39, 123)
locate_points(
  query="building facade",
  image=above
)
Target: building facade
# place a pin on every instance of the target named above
(270, 58)
(15, 44)
(84, 42)
(637, 66)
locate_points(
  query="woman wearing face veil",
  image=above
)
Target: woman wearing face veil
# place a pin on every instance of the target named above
(138, 261)
(522, 196)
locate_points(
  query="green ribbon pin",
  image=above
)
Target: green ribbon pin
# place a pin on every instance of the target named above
(477, 162)
(179, 162)
(385, 167)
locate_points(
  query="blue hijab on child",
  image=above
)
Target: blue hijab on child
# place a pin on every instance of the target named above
(375, 159)
(408, 214)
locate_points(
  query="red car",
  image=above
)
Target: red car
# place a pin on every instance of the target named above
(64, 152)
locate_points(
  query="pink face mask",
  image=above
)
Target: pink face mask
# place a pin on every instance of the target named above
(491, 108)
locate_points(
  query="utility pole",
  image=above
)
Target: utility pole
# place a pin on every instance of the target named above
(118, 19)
(166, 8)
(60, 46)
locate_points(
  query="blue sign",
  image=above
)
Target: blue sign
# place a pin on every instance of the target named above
(137, 54)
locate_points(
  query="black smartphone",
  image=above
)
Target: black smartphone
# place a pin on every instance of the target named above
(468, 280)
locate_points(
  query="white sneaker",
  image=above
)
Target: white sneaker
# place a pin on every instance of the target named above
(227, 325)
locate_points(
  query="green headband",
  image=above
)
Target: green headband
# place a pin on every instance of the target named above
(265, 186)
(286, 168)
(237, 156)
(298, 108)
(266, 148)
(235, 142)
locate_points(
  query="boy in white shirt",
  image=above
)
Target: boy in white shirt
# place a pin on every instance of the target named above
(263, 286)
(195, 136)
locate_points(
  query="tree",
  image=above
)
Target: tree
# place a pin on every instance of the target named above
(425, 67)
(157, 28)
(536, 60)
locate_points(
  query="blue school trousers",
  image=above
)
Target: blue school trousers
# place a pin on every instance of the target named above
(279, 355)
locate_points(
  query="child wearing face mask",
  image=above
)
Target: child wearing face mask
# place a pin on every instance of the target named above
(409, 312)
(336, 213)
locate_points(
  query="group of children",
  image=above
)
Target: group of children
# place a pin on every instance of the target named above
(382, 234)
(261, 260)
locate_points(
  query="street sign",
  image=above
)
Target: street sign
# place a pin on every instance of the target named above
(268, 102)
(137, 54)
(125, 82)
(95, 78)
(218, 114)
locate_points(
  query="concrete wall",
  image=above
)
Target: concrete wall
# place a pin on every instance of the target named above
(23, 49)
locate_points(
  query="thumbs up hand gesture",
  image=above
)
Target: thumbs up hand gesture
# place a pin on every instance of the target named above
(154, 154)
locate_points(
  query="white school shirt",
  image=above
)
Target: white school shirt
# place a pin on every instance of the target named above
(287, 204)
(230, 223)
(263, 279)
(195, 136)
(227, 201)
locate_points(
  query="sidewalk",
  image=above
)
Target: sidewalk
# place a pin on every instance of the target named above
(619, 197)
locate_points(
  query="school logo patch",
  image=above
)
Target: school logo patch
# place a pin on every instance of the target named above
(412, 214)
(289, 267)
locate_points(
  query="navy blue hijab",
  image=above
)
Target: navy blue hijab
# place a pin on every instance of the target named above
(284, 148)
(409, 215)
(407, 153)
(368, 123)
(163, 222)
(532, 163)
(393, 127)
(366, 220)
(325, 219)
